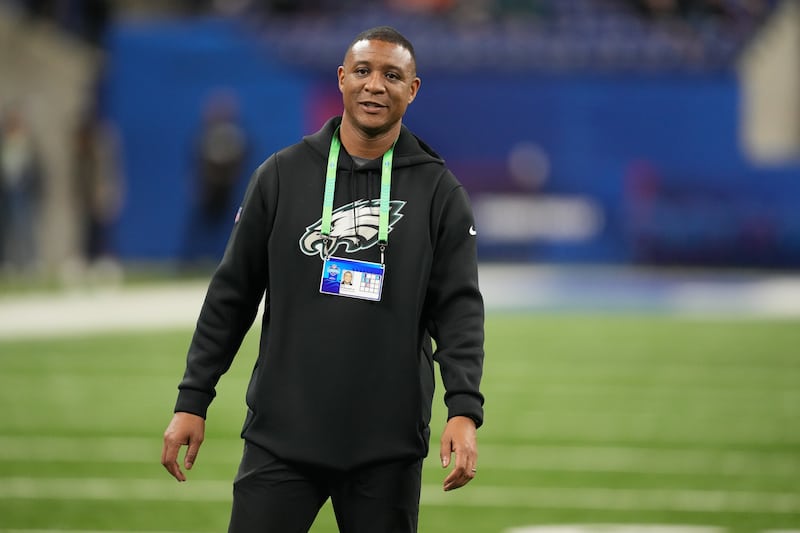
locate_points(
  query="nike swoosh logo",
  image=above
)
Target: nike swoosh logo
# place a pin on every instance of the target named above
(472, 230)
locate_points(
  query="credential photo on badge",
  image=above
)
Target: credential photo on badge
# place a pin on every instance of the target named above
(352, 278)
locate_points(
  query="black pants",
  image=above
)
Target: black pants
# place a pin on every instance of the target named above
(273, 496)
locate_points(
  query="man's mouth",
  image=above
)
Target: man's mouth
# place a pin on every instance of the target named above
(372, 105)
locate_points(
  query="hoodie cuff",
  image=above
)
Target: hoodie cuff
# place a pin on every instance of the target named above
(466, 405)
(193, 401)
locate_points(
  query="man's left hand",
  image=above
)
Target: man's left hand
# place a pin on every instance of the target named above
(459, 437)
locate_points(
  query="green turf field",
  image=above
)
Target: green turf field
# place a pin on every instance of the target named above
(589, 419)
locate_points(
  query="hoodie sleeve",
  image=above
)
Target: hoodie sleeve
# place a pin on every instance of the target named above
(233, 296)
(455, 307)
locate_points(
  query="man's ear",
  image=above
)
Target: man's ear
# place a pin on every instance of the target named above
(415, 83)
(340, 75)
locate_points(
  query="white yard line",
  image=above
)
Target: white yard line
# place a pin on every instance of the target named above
(615, 528)
(495, 456)
(562, 528)
(640, 460)
(673, 500)
(575, 528)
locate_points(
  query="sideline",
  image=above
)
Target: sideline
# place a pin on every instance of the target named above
(523, 288)
(79, 312)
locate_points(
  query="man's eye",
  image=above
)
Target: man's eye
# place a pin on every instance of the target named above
(392, 76)
(361, 71)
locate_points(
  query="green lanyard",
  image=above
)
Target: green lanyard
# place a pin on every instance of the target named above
(330, 187)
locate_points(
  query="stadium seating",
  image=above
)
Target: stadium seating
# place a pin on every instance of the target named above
(555, 36)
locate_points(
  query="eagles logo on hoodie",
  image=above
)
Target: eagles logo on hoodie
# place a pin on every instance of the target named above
(354, 226)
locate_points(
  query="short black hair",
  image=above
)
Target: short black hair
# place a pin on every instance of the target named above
(386, 34)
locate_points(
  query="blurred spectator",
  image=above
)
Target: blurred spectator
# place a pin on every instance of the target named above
(732, 10)
(523, 8)
(221, 150)
(20, 193)
(94, 19)
(234, 7)
(192, 7)
(296, 7)
(87, 19)
(45, 9)
(660, 9)
(422, 7)
(98, 190)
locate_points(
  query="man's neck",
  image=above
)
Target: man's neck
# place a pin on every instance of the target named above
(358, 144)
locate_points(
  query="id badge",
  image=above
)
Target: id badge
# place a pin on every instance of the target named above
(351, 278)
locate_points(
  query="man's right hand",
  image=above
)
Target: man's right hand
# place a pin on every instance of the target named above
(185, 429)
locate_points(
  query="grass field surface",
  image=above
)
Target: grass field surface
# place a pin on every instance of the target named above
(590, 419)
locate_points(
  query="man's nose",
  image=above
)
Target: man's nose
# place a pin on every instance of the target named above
(375, 82)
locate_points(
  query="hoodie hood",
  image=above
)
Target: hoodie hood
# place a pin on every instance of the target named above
(409, 150)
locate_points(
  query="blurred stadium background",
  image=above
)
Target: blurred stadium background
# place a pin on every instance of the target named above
(635, 171)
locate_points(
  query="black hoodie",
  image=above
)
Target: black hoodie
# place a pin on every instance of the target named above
(342, 382)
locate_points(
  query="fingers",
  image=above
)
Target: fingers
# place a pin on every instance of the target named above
(184, 430)
(169, 458)
(191, 454)
(445, 451)
(463, 472)
(459, 438)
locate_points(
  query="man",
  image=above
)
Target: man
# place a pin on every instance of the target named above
(333, 414)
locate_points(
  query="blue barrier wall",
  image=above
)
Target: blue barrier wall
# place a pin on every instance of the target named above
(159, 78)
(652, 162)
